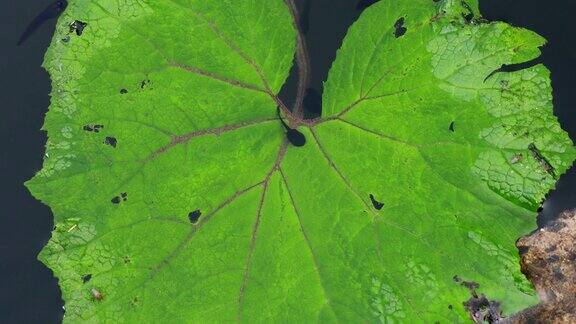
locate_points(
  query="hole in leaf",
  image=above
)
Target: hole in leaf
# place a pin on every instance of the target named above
(194, 216)
(515, 67)
(378, 205)
(77, 26)
(116, 200)
(123, 91)
(399, 27)
(451, 127)
(110, 141)
(92, 128)
(144, 83)
(86, 278)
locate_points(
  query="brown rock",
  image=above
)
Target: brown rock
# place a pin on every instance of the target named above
(549, 262)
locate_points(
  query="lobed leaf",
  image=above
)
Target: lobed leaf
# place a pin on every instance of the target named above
(177, 197)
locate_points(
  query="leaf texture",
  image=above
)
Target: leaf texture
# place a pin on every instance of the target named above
(177, 197)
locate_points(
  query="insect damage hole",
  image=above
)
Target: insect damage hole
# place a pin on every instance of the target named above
(194, 216)
(144, 83)
(399, 29)
(118, 199)
(77, 27)
(86, 278)
(112, 141)
(378, 205)
(92, 128)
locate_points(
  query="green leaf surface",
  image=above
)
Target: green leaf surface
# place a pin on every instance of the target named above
(165, 110)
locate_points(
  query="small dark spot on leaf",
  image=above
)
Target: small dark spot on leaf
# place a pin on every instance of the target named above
(66, 39)
(399, 27)
(116, 200)
(144, 83)
(126, 259)
(456, 279)
(92, 128)
(451, 127)
(450, 306)
(110, 141)
(194, 216)
(124, 196)
(378, 205)
(86, 278)
(78, 27)
(123, 91)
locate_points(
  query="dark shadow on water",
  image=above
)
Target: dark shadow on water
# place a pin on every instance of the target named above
(30, 294)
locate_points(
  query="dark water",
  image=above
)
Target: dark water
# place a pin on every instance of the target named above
(29, 293)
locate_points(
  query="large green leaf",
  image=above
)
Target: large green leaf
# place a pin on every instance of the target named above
(164, 110)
